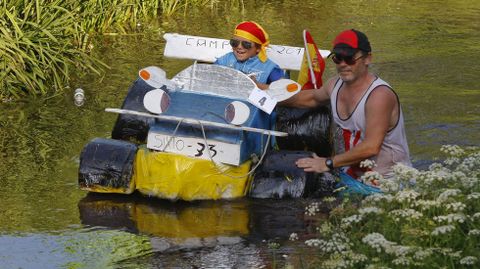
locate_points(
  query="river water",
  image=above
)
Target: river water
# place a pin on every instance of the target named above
(428, 51)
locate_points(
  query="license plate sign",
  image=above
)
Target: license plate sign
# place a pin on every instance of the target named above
(195, 147)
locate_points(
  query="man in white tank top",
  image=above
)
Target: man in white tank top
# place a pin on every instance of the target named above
(364, 106)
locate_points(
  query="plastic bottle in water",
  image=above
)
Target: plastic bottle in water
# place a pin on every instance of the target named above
(79, 97)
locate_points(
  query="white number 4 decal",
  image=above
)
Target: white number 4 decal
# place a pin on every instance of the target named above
(262, 100)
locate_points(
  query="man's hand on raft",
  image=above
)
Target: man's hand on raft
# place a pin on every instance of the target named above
(314, 164)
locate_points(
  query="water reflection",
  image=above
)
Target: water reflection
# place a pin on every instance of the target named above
(205, 234)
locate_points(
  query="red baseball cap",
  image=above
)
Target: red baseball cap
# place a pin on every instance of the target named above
(348, 42)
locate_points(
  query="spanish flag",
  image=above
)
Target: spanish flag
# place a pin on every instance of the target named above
(313, 65)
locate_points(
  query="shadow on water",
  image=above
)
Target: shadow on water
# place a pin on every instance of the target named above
(201, 234)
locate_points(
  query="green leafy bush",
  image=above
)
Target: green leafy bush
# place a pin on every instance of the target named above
(424, 219)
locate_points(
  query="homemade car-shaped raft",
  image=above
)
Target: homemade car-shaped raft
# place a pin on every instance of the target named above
(207, 133)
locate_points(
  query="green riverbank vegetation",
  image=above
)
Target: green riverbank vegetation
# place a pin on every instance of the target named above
(423, 219)
(42, 42)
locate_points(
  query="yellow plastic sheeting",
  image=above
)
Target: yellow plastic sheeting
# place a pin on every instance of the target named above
(172, 176)
(192, 222)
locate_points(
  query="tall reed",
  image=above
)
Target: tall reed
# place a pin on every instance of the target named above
(37, 47)
(43, 41)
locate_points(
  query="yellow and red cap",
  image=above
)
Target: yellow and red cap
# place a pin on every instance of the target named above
(252, 31)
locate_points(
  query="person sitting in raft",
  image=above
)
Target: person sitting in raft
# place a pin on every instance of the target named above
(249, 55)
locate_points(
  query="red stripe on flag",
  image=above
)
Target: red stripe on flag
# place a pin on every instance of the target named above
(317, 65)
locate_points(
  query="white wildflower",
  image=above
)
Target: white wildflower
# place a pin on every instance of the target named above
(347, 222)
(312, 209)
(377, 241)
(338, 244)
(443, 229)
(427, 204)
(456, 206)
(407, 213)
(356, 257)
(450, 218)
(404, 172)
(273, 245)
(401, 261)
(436, 176)
(334, 263)
(370, 210)
(469, 260)
(476, 215)
(455, 254)
(448, 193)
(376, 266)
(406, 196)
(449, 252)
(436, 167)
(465, 181)
(474, 232)
(370, 177)
(400, 251)
(473, 196)
(293, 237)
(452, 150)
(325, 228)
(312, 242)
(378, 198)
(337, 262)
(452, 161)
(367, 163)
(389, 185)
(422, 254)
(471, 162)
(471, 181)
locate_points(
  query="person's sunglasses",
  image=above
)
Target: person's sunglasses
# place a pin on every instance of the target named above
(347, 59)
(246, 44)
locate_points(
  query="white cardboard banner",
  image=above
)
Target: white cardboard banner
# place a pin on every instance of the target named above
(208, 49)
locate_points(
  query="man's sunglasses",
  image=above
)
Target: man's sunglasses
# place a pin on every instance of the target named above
(246, 44)
(347, 59)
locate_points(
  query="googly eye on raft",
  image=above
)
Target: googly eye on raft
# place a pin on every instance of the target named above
(237, 113)
(156, 101)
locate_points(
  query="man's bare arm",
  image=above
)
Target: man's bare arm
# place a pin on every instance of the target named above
(310, 98)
